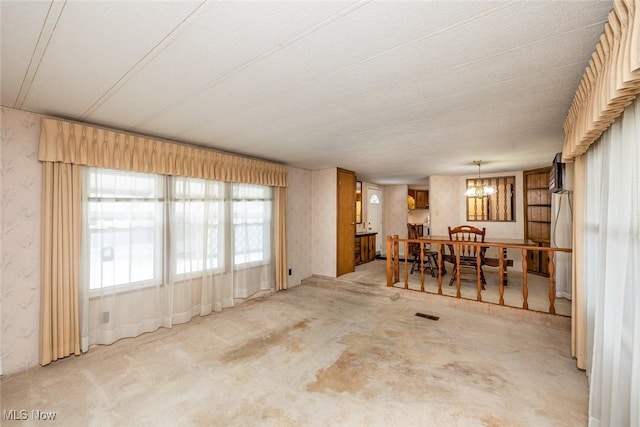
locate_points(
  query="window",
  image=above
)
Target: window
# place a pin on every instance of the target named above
(500, 206)
(138, 223)
(125, 219)
(252, 207)
(197, 224)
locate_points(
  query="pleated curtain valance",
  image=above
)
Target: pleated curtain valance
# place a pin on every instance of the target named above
(610, 83)
(76, 143)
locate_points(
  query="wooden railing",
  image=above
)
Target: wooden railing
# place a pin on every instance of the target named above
(394, 264)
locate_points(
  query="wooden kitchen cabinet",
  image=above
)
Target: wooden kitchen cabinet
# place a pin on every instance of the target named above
(365, 248)
(421, 197)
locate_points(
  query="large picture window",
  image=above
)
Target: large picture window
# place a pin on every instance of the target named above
(124, 222)
(145, 228)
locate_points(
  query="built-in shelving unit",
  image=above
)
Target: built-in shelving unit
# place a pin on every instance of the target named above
(537, 219)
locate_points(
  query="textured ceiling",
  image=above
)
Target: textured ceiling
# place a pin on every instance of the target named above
(396, 91)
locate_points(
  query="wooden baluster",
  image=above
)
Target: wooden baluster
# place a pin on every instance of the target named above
(478, 276)
(525, 290)
(396, 251)
(440, 263)
(552, 284)
(458, 284)
(389, 263)
(501, 266)
(406, 263)
(421, 266)
(503, 254)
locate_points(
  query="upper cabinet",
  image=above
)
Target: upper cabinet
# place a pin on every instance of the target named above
(420, 199)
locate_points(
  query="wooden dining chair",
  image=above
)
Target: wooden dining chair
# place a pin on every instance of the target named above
(468, 252)
(414, 252)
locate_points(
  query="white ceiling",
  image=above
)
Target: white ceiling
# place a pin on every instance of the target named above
(396, 91)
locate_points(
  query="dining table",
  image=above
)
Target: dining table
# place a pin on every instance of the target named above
(489, 261)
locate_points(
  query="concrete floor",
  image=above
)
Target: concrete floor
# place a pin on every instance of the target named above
(326, 353)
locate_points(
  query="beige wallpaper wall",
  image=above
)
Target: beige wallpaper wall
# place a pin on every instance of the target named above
(445, 204)
(323, 221)
(395, 213)
(299, 225)
(20, 231)
(418, 216)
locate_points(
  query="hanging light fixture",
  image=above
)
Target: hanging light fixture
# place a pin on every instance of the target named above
(478, 189)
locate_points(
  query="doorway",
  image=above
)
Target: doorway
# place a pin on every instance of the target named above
(374, 216)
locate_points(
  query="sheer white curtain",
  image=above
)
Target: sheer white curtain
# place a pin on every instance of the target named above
(220, 244)
(160, 250)
(252, 228)
(612, 272)
(122, 292)
(196, 248)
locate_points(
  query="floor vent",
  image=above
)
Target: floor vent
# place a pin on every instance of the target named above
(427, 316)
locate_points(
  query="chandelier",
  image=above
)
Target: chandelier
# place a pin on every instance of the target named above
(478, 189)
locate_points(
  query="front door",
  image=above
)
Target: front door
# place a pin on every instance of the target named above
(346, 227)
(374, 216)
